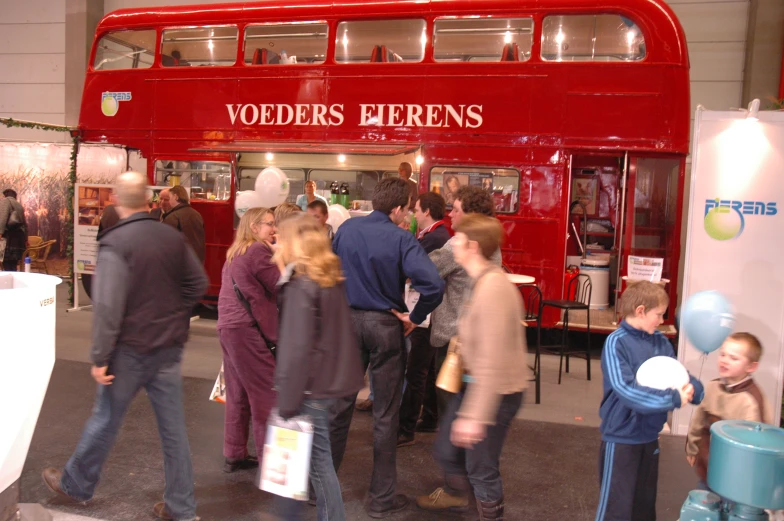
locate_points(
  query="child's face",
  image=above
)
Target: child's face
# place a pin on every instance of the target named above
(648, 321)
(734, 363)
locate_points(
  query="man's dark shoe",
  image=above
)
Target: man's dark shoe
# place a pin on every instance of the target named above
(405, 440)
(422, 426)
(400, 503)
(52, 478)
(233, 465)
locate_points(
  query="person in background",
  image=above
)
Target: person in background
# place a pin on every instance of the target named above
(109, 216)
(405, 171)
(433, 234)
(319, 357)
(468, 200)
(451, 186)
(492, 346)
(13, 228)
(248, 363)
(165, 201)
(284, 211)
(632, 414)
(183, 217)
(318, 210)
(377, 258)
(303, 200)
(147, 278)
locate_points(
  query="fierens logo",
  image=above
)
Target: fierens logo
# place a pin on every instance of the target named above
(110, 102)
(725, 219)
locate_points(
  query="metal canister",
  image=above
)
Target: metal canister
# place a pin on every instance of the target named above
(747, 463)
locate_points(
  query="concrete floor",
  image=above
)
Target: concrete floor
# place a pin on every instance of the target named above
(549, 462)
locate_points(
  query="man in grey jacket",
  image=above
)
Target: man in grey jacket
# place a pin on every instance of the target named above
(146, 283)
(469, 199)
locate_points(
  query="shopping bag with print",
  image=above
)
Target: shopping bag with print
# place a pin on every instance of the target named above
(285, 463)
(218, 393)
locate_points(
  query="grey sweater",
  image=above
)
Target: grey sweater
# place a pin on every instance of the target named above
(444, 318)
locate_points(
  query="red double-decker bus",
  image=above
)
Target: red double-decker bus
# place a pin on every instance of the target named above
(574, 114)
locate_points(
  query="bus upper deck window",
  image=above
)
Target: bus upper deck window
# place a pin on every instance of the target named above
(381, 41)
(125, 50)
(604, 37)
(286, 44)
(483, 39)
(199, 46)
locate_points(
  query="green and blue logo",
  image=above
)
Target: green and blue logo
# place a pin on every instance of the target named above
(725, 219)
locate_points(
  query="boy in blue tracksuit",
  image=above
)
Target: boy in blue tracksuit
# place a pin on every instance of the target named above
(633, 415)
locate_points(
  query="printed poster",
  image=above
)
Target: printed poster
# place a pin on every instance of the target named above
(89, 203)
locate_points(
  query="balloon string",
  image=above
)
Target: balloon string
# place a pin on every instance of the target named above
(699, 377)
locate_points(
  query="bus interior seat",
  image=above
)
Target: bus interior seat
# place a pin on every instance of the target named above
(264, 56)
(511, 53)
(379, 54)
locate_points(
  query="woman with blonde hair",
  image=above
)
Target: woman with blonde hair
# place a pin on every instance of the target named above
(248, 331)
(319, 358)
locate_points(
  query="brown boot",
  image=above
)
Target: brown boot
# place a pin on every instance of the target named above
(453, 497)
(52, 479)
(490, 510)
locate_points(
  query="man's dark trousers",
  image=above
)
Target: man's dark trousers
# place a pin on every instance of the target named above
(380, 337)
(420, 361)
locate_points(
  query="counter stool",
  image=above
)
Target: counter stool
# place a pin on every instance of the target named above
(532, 299)
(578, 297)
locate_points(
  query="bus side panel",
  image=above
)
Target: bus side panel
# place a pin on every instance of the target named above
(116, 107)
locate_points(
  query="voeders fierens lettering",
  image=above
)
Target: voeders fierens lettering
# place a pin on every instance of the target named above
(376, 115)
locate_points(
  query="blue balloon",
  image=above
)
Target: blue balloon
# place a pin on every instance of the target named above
(707, 319)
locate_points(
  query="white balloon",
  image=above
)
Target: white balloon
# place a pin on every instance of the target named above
(246, 200)
(662, 372)
(272, 186)
(337, 215)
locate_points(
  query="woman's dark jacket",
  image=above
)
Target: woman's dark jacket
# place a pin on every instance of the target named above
(318, 353)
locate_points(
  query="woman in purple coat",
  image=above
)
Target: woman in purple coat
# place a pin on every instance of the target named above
(247, 335)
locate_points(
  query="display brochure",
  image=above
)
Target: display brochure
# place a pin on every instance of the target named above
(645, 268)
(89, 204)
(285, 464)
(218, 393)
(412, 297)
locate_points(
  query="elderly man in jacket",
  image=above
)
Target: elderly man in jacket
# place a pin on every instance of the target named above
(146, 282)
(183, 217)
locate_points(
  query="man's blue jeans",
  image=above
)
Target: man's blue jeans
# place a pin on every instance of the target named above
(159, 374)
(323, 478)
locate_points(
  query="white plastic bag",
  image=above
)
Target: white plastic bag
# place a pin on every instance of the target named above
(285, 463)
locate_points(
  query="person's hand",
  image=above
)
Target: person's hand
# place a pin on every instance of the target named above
(408, 326)
(100, 376)
(687, 393)
(467, 433)
(691, 460)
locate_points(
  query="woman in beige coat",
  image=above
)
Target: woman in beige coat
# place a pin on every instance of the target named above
(493, 349)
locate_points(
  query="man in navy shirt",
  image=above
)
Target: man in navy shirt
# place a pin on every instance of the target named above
(377, 258)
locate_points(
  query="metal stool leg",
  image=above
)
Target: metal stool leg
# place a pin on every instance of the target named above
(538, 362)
(566, 338)
(588, 343)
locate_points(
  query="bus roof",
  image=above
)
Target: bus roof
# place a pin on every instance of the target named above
(646, 13)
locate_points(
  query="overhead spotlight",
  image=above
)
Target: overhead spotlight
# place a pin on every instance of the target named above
(420, 160)
(341, 158)
(269, 156)
(753, 114)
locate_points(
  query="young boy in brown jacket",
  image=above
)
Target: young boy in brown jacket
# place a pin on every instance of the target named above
(732, 396)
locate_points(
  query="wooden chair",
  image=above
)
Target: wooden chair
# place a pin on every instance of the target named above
(532, 299)
(38, 256)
